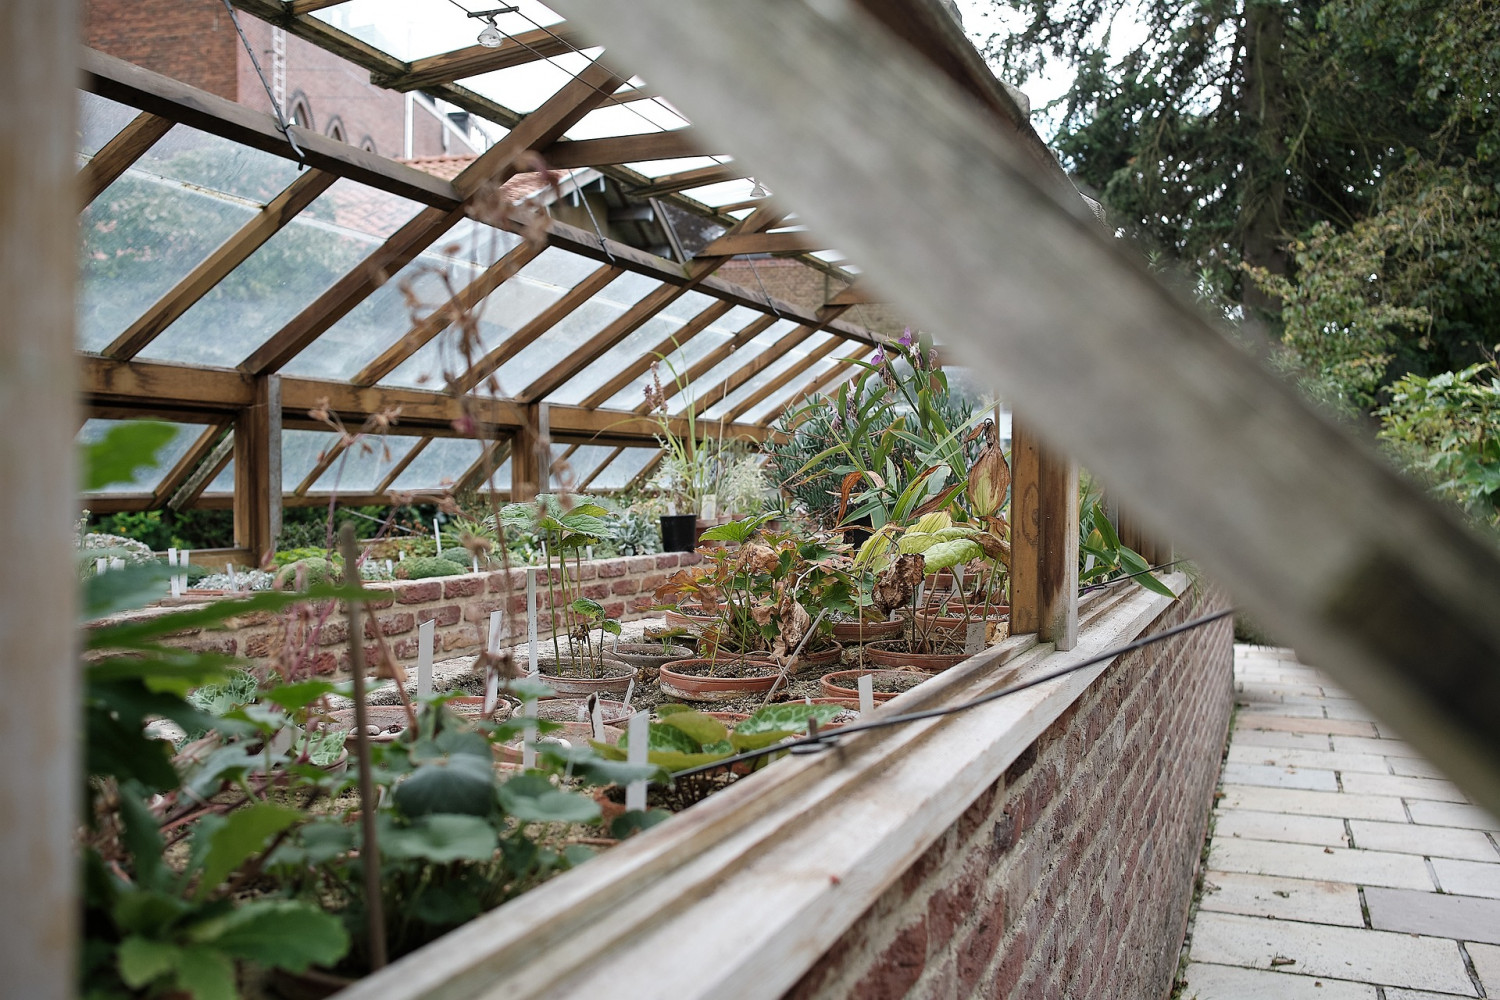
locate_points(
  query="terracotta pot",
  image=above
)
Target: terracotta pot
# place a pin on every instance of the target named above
(893, 653)
(844, 684)
(655, 634)
(1000, 613)
(577, 732)
(391, 719)
(688, 680)
(820, 658)
(683, 616)
(649, 654)
(569, 710)
(849, 704)
(472, 707)
(857, 632)
(616, 680)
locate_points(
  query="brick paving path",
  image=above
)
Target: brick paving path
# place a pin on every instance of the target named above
(1342, 865)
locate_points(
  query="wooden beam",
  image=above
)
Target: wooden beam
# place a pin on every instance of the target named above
(323, 464)
(450, 312)
(472, 60)
(536, 326)
(668, 145)
(116, 156)
(194, 457)
(395, 471)
(665, 348)
(1025, 529)
(781, 243)
(764, 392)
(832, 375)
(699, 177)
(189, 492)
(540, 128)
(297, 8)
(491, 457)
(1390, 595)
(599, 468)
(528, 464)
(856, 294)
(257, 471)
(231, 254)
(1057, 570)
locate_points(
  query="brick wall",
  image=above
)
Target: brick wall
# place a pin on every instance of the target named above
(1070, 877)
(193, 42)
(460, 605)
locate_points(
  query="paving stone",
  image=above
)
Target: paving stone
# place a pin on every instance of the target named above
(1251, 714)
(1384, 746)
(1356, 954)
(1289, 741)
(1486, 959)
(1451, 814)
(1323, 759)
(1331, 727)
(1346, 708)
(1415, 767)
(1305, 803)
(1308, 861)
(1324, 831)
(1432, 841)
(1269, 776)
(1468, 878)
(1392, 993)
(1229, 982)
(1435, 914)
(1362, 783)
(1282, 898)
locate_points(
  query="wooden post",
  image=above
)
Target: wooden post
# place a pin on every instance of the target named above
(530, 454)
(257, 471)
(39, 722)
(1025, 529)
(1057, 568)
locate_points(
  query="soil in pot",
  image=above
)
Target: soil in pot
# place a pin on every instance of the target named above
(649, 654)
(945, 653)
(716, 680)
(570, 680)
(867, 631)
(887, 683)
(384, 723)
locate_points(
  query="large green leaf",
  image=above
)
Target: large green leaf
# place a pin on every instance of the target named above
(283, 933)
(122, 451)
(531, 798)
(142, 960)
(244, 832)
(440, 838)
(756, 741)
(627, 824)
(206, 973)
(1134, 564)
(664, 737)
(595, 769)
(674, 760)
(946, 555)
(786, 718)
(133, 586)
(301, 694)
(461, 783)
(703, 729)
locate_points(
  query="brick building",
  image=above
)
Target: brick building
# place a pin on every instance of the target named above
(194, 41)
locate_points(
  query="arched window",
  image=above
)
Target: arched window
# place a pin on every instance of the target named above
(367, 144)
(336, 129)
(299, 112)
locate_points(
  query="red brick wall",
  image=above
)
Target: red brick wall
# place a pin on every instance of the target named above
(1071, 877)
(460, 605)
(188, 40)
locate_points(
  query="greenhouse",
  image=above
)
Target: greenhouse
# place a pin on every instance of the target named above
(687, 500)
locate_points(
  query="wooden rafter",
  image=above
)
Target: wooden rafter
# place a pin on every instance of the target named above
(472, 60)
(714, 358)
(116, 156)
(698, 177)
(497, 164)
(822, 381)
(230, 254)
(217, 461)
(296, 8)
(538, 325)
(599, 468)
(195, 456)
(668, 145)
(734, 244)
(766, 391)
(325, 462)
(666, 347)
(449, 312)
(491, 457)
(395, 471)
(762, 360)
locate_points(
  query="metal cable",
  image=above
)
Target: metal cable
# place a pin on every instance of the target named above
(282, 125)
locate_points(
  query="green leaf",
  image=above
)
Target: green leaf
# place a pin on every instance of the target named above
(946, 555)
(206, 973)
(627, 824)
(661, 736)
(282, 933)
(531, 798)
(675, 761)
(756, 741)
(133, 586)
(294, 696)
(596, 769)
(142, 960)
(703, 729)
(140, 833)
(611, 626)
(662, 711)
(587, 607)
(245, 832)
(122, 451)
(147, 912)
(458, 784)
(786, 718)
(441, 838)
(317, 843)
(576, 854)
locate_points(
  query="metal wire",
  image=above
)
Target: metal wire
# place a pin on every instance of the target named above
(282, 124)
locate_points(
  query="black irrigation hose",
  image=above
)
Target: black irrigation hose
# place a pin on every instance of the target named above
(825, 739)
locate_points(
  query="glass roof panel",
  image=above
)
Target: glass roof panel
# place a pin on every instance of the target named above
(439, 464)
(652, 332)
(410, 31)
(538, 358)
(510, 307)
(364, 464)
(689, 354)
(655, 115)
(501, 479)
(181, 200)
(147, 479)
(524, 88)
(660, 168)
(99, 120)
(579, 465)
(773, 403)
(622, 470)
(742, 356)
(224, 481)
(766, 374)
(329, 239)
(418, 289)
(301, 451)
(723, 193)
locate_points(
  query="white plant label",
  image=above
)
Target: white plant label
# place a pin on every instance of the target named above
(866, 694)
(176, 580)
(101, 565)
(426, 636)
(475, 561)
(437, 536)
(528, 737)
(596, 717)
(958, 576)
(640, 739)
(492, 677)
(531, 664)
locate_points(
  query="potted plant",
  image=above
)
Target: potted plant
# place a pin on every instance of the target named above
(691, 462)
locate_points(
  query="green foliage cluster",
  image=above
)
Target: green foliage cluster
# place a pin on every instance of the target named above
(683, 738)
(426, 567)
(1446, 430)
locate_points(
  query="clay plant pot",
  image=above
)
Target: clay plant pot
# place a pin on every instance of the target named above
(895, 653)
(391, 720)
(690, 680)
(859, 632)
(1000, 613)
(615, 678)
(679, 532)
(577, 729)
(673, 634)
(649, 654)
(819, 658)
(844, 684)
(472, 707)
(688, 616)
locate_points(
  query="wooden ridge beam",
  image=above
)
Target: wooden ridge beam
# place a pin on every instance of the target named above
(764, 392)
(733, 245)
(444, 316)
(472, 60)
(665, 348)
(233, 252)
(698, 177)
(497, 164)
(669, 145)
(116, 155)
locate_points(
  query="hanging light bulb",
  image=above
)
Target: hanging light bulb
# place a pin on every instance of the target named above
(758, 190)
(491, 37)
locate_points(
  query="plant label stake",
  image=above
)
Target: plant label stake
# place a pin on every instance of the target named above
(958, 577)
(596, 716)
(492, 678)
(175, 581)
(116, 562)
(636, 753)
(866, 694)
(528, 736)
(437, 536)
(101, 565)
(389, 569)
(474, 560)
(182, 563)
(426, 634)
(531, 620)
(400, 555)
(629, 693)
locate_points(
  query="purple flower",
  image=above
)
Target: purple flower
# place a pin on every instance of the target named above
(906, 337)
(879, 358)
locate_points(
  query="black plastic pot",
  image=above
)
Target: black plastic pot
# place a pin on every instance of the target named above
(677, 532)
